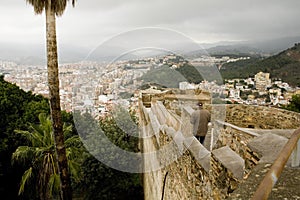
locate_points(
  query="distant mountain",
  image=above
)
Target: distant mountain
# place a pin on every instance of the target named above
(25, 54)
(35, 53)
(239, 50)
(284, 65)
(274, 46)
(252, 48)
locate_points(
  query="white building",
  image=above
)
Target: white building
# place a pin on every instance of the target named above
(186, 86)
(262, 81)
(234, 94)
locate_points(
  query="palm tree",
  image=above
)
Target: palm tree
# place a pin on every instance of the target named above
(55, 8)
(41, 156)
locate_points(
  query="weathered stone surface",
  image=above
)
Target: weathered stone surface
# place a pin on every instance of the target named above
(261, 117)
(192, 172)
(161, 116)
(287, 186)
(268, 145)
(232, 161)
(186, 126)
(282, 132)
(200, 153)
(237, 140)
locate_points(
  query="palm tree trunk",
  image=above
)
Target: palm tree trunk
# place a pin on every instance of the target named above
(53, 84)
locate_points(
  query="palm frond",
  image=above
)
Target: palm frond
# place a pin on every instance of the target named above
(58, 6)
(27, 134)
(32, 137)
(54, 184)
(22, 154)
(67, 129)
(75, 170)
(41, 134)
(26, 176)
(72, 141)
(42, 155)
(40, 152)
(38, 5)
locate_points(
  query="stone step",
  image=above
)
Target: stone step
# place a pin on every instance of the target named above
(231, 160)
(268, 145)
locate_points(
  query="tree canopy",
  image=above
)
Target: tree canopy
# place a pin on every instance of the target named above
(294, 103)
(17, 110)
(20, 110)
(58, 6)
(284, 66)
(42, 171)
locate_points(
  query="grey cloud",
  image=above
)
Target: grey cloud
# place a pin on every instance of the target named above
(93, 21)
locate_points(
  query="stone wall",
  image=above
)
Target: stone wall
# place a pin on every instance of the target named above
(179, 175)
(260, 117)
(186, 179)
(186, 169)
(227, 171)
(181, 168)
(238, 141)
(173, 98)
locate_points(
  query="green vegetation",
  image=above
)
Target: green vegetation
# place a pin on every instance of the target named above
(284, 66)
(239, 69)
(27, 162)
(40, 153)
(190, 73)
(164, 76)
(294, 104)
(54, 8)
(101, 181)
(125, 95)
(170, 78)
(18, 109)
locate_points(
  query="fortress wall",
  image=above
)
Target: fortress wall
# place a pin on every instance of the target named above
(178, 174)
(184, 170)
(181, 168)
(260, 117)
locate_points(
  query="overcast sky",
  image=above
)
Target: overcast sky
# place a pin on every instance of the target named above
(93, 21)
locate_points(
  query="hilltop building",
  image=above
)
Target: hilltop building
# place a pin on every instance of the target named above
(262, 81)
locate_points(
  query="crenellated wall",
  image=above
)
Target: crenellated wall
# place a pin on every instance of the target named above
(178, 167)
(184, 169)
(181, 174)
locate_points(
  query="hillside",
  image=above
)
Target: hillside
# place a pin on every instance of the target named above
(167, 77)
(17, 109)
(284, 66)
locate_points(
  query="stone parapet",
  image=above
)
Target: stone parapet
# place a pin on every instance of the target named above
(181, 168)
(184, 167)
(238, 141)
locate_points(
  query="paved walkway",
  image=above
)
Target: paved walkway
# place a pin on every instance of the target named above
(287, 187)
(282, 132)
